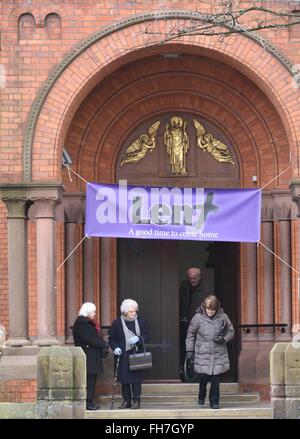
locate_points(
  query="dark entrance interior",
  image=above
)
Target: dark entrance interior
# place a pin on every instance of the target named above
(150, 271)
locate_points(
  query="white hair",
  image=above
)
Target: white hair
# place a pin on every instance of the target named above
(128, 303)
(87, 309)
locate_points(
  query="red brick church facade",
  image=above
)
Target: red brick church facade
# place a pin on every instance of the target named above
(85, 76)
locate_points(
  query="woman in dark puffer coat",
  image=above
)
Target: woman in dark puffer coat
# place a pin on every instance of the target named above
(208, 333)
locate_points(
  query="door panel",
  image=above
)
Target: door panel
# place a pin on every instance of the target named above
(148, 274)
(226, 282)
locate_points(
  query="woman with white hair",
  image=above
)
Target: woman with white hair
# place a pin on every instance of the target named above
(86, 334)
(126, 334)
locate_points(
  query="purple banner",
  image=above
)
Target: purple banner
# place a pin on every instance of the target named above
(196, 214)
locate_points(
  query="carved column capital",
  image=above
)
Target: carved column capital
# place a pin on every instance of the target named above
(44, 207)
(15, 200)
(16, 207)
(267, 214)
(73, 207)
(45, 200)
(282, 212)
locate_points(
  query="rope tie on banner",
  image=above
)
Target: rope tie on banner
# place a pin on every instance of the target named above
(267, 248)
(277, 176)
(72, 170)
(69, 255)
(282, 260)
(69, 169)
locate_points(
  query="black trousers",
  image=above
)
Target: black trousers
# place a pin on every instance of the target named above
(91, 380)
(132, 390)
(214, 392)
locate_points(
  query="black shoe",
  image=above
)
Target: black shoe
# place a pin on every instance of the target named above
(125, 405)
(215, 405)
(92, 406)
(201, 401)
(136, 404)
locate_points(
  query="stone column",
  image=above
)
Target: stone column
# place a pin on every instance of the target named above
(45, 203)
(268, 274)
(17, 268)
(88, 270)
(247, 357)
(283, 214)
(266, 335)
(251, 286)
(105, 282)
(73, 216)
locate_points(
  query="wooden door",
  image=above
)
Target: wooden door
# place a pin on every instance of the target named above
(148, 273)
(226, 255)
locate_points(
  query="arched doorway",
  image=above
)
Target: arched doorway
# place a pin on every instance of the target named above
(121, 109)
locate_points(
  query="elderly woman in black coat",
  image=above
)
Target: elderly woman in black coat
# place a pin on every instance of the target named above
(208, 333)
(86, 334)
(125, 337)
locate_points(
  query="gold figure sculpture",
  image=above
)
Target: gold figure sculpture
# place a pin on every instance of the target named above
(139, 148)
(177, 143)
(213, 146)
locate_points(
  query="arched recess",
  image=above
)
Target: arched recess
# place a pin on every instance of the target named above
(26, 27)
(89, 63)
(146, 88)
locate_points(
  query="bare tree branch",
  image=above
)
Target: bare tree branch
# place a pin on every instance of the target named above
(258, 18)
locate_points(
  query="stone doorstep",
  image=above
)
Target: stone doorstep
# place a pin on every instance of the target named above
(185, 399)
(185, 388)
(251, 412)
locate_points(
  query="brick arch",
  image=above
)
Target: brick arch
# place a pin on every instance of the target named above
(231, 103)
(97, 57)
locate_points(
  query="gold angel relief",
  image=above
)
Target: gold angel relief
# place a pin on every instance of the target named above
(139, 148)
(177, 142)
(213, 146)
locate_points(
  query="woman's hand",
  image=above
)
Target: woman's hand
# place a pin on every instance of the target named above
(118, 351)
(133, 340)
(219, 339)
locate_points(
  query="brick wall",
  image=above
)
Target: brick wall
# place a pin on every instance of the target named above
(18, 391)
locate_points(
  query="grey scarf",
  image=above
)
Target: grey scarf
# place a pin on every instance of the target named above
(128, 334)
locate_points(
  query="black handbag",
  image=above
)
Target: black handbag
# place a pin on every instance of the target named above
(141, 360)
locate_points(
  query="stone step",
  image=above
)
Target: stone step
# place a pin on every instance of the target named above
(184, 399)
(254, 411)
(185, 388)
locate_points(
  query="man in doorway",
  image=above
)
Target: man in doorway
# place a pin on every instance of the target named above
(192, 292)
